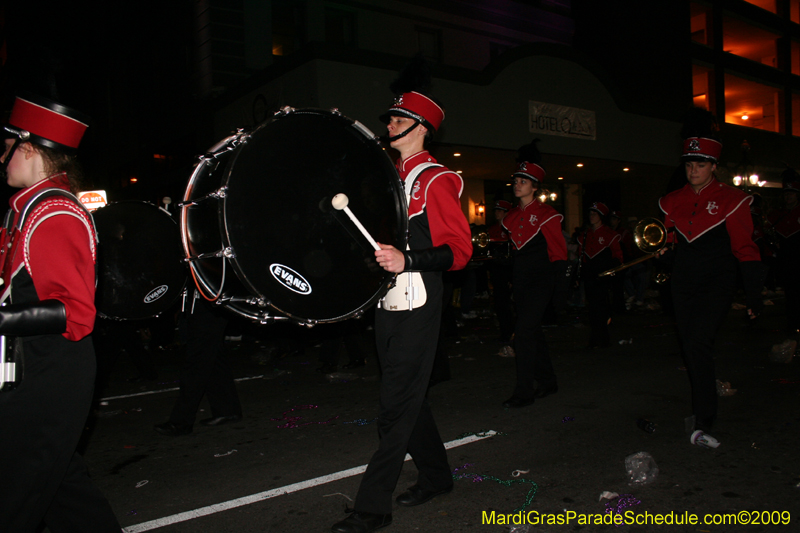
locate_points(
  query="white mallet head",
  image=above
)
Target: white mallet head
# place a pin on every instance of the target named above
(340, 201)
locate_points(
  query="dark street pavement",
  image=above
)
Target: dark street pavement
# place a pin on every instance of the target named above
(279, 469)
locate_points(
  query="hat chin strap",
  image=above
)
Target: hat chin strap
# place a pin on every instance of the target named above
(390, 140)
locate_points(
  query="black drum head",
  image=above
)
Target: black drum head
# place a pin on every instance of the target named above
(290, 247)
(140, 273)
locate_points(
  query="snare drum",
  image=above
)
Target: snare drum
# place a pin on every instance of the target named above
(140, 270)
(259, 231)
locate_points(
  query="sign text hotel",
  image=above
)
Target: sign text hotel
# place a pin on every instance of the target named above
(551, 119)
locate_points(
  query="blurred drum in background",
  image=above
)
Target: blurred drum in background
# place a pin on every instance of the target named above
(140, 272)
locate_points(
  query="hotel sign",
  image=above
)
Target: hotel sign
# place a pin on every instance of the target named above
(551, 119)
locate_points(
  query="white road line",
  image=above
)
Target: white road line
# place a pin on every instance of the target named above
(145, 393)
(288, 489)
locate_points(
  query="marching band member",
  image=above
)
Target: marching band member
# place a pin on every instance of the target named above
(439, 240)
(713, 229)
(540, 260)
(785, 223)
(600, 251)
(48, 273)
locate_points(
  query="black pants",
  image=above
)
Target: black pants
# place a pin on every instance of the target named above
(501, 294)
(406, 342)
(701, 305)
(534, 284)
(44, 479)
(205, 370)
(598, 303)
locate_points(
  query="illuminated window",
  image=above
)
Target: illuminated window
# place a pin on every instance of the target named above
(769, 5)
(795, 60)
(760, 103)
(794, 11)
(702, 81)
(701, 24)
(751, 42)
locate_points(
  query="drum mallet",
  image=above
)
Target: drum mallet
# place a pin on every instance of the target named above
(339, 202)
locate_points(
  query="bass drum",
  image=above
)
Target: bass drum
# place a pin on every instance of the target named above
(140, 270)
(259, 231)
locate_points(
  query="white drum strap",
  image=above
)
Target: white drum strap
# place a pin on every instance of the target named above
(409, 291)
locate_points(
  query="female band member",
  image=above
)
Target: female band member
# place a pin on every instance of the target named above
(713, 229)
(48, 273)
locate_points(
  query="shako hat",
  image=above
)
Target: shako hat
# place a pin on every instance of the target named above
(503, 204)
(412, 96)
(530, 159)
(700, 136)
(42, 121)
(417, 106)
(600, 207)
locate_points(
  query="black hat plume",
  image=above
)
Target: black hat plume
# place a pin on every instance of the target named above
(529, 153)
(698, 122)
(416, 76)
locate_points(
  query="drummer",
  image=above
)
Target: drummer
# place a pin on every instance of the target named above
(48, 273)
(439, 240)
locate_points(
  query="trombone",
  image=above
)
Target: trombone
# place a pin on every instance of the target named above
(650, 236)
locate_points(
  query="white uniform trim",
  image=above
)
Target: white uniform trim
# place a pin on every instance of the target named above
(748, 199)
(538, 230)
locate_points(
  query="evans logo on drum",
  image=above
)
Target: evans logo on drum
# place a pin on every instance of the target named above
(290, 279)
(155, 294)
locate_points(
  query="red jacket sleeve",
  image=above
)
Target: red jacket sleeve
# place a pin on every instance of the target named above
(556, 244)
(740, 228)
(59, 259)
(447, 222)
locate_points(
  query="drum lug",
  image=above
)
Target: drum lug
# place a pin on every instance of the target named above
(229, 253)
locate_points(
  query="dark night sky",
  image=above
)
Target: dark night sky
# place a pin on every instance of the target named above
(127, 66)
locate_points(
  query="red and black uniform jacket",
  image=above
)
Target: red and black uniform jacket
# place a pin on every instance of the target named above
(535, 229)
(52, 256)
(600, 251)
(434, 209)
(714, 230)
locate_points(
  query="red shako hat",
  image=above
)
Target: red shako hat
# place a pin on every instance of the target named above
(600, 207)
(791, 186)
(42, 121)
(531, 171)
(503, 204)
(417, 106)
(701, 149)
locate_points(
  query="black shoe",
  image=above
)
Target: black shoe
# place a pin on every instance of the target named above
(514, 402)
(327, 368)
(173, 430)
(546, 390)
(417, 496)
(362, 523)
(219, 420)
(354, 364)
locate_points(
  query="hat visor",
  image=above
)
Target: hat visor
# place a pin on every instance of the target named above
(698, 157)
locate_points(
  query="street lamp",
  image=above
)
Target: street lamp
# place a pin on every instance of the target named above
(744, 174)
